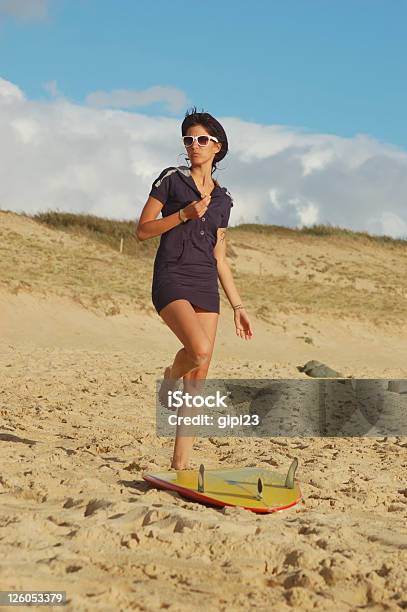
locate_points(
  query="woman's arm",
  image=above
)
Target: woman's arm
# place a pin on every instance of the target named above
(149, 226)
(242, 322)
(224, 272)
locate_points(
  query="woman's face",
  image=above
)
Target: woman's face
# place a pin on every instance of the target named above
(200, 155)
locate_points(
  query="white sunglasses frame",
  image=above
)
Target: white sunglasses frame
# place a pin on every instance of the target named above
(195, 138)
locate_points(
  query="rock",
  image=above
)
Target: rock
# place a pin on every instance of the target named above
(316, 369)
(397, 386)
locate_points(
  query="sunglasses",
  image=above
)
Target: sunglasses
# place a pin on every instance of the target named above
(203, 140)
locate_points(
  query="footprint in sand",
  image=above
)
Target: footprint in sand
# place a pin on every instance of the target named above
(96, 504)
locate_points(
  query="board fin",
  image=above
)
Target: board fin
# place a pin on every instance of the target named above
(289, 481)
(201, 480)
(259, 488)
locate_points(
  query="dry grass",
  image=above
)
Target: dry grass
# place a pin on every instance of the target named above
(102, 229)
(323, 231)
(319, 269)
(110, 231)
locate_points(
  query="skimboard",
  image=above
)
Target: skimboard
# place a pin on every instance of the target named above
(256, 489)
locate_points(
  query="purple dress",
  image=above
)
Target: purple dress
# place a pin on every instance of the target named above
(185, 266)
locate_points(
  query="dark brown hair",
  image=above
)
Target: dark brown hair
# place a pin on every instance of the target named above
(212, 126)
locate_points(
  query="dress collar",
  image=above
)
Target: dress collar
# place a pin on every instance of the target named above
(185, 173)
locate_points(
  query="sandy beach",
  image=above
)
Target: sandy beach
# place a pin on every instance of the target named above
(81, 350)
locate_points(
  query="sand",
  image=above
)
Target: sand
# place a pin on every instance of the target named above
(77, 431)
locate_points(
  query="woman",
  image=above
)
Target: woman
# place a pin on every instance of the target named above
(190, 258)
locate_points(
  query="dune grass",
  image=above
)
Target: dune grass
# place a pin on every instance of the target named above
(363, 276)
(105, 230)
(320, 230)
(110, 231)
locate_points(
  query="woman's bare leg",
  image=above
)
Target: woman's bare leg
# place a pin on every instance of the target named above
(181, 318)
(196, 328)
(192, 384)
(182, 364)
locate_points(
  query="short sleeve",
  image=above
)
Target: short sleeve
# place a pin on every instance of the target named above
(226, 213)
(161, 186)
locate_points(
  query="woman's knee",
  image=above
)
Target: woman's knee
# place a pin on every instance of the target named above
(201, 355)
(201, 359)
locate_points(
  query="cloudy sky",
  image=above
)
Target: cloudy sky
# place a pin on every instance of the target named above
(312, 95)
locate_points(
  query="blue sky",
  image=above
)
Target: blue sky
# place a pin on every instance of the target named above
(329, 66)
(312, 95)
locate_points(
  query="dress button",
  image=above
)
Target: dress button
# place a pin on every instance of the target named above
(203, 218)
(202, 232)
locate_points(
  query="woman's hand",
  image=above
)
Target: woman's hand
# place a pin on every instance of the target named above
(242, 323)
(197, 208)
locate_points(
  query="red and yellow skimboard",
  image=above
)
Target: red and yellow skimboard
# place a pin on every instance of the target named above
(256, 489)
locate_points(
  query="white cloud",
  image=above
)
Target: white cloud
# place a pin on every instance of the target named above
(274, 198)
(26, 129)
(52, 88)
(56, 154)
(174, 99)
(392, 224)
(10, 93)
(307, 212)
(316, 159)
(26, 10)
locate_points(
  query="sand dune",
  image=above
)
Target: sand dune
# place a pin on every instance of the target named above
(78, 365)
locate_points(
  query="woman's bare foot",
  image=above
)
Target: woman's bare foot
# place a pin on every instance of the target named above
(178, 468)
(168, 384)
